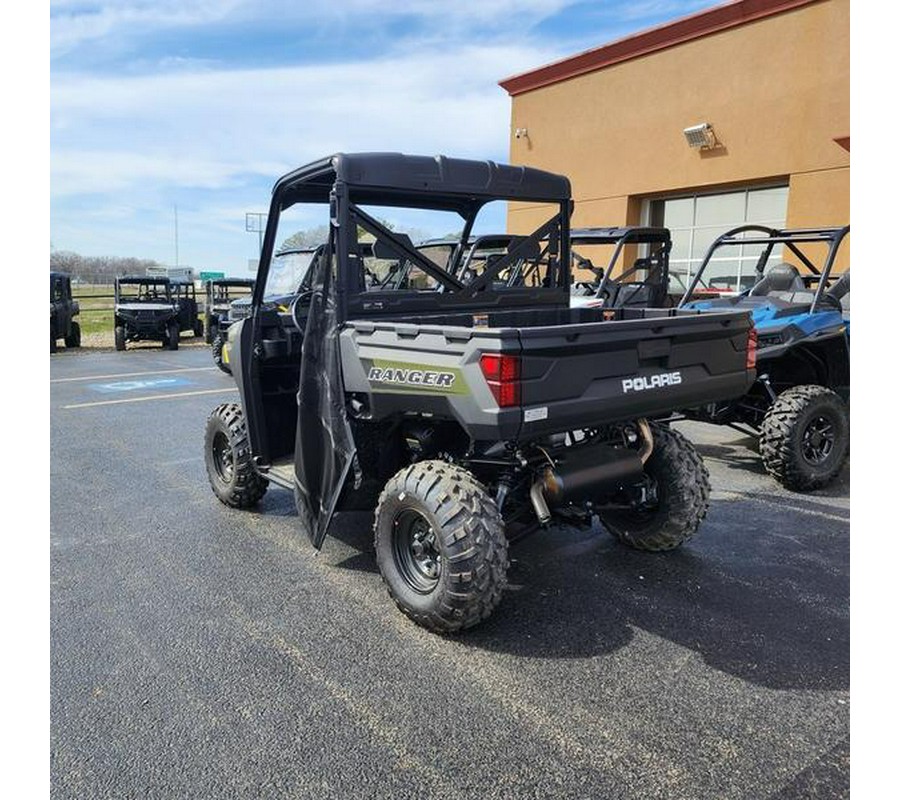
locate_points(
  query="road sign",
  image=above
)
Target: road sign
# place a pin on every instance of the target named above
(211, 276)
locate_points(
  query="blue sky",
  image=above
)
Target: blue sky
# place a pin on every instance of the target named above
(205, 104)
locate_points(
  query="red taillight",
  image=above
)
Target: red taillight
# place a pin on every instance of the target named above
(752, 343)
(503, 373)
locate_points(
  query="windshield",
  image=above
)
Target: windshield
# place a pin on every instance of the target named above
(439, 253)
(288, 272)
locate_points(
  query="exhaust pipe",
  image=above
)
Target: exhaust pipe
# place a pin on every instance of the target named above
(646, 448)
(587, 472)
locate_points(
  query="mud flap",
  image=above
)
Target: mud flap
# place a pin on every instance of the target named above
(325, 452)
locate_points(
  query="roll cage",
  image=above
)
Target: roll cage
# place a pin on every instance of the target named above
(147, 286)
(657, 262)
(347, 182)
(768, 238)
(217, 289)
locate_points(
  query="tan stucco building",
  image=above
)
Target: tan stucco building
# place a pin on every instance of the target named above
(772, 79)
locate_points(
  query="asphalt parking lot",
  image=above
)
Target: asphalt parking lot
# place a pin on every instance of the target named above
(199, 651)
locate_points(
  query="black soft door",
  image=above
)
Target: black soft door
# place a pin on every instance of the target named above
(325, 451)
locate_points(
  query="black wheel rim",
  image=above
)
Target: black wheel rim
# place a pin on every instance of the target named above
(416, 551)
(223, 457)
(818, 440)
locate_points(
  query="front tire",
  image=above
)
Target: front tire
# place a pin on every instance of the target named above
(74, 338)
(198, 328)
(805, 437)
(217, 345)
(229, 465)
(682, 497)
(120, 337)
(173, 336)
(440, 546)
(52, 339)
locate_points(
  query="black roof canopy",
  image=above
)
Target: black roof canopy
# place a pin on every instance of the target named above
(438, 182)
(228, 281)
(154, 279)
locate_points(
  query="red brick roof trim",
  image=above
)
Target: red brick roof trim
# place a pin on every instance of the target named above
(694, 26)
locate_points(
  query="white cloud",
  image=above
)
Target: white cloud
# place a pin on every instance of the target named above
(74, 23)
(212, 128)
(217, 140)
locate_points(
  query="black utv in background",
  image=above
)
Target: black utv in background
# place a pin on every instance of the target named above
(63, 310)
(185, 296)
(147, 308)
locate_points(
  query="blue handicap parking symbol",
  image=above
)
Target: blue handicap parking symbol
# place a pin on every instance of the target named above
(136, 385)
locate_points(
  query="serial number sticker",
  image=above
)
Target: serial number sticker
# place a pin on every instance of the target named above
(534, 414)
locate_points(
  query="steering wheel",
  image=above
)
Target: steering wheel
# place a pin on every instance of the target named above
(300, 299)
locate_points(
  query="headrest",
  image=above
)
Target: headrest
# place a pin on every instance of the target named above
(780, 277)
(384, 249)
(783, 278)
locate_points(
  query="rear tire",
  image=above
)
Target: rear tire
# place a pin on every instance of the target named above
(173, 336)
(120, 337)
(217, 345)
(805, 437)
(52, 339)
(229, 465)
(74, 338)
(198, 328)
(682, 486)
(440, 546)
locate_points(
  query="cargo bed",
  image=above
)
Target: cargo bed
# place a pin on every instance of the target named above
(577, 367)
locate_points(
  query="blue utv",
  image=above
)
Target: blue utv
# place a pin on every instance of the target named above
(799, 406)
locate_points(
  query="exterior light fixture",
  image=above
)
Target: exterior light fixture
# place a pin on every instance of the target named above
(701, 136)
(521, 133)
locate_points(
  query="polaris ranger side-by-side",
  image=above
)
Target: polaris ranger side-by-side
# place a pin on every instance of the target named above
(464, 416)
(798, 408)
(63, 310)
(154, 308)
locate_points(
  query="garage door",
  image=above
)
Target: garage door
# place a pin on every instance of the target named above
(696, 220)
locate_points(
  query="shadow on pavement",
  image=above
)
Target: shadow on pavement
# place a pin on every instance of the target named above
(769, 608)
(761, 594)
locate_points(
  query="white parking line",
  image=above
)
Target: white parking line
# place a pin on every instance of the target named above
(132, 374)
(725, 494)
(150, 397)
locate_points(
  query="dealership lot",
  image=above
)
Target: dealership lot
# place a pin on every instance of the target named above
(199, 651)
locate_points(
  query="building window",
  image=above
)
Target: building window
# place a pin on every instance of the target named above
(696, 220)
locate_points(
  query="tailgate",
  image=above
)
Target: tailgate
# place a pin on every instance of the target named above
(578, 375)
